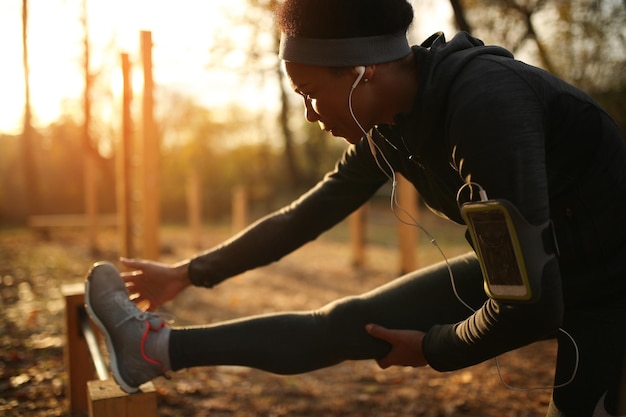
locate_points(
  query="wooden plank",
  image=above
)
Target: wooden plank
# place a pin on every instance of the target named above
(69, 220)
(78, 362)
(106, 399)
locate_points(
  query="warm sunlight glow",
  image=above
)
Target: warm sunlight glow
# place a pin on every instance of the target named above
(182, 33)
(11, 87)
(117, 82)
(54, 60)
(432, 16)
(11, 93)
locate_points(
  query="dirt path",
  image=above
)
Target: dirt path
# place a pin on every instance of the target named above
(32, 376)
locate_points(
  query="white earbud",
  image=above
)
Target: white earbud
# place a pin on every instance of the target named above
(360, 70)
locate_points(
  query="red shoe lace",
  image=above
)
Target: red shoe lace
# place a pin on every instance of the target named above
(144, 337)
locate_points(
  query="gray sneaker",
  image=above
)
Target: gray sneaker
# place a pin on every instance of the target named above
(125, 326)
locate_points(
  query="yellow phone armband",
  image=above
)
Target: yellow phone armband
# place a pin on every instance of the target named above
(511, 251)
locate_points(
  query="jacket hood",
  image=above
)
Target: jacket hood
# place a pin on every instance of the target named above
(439, 62)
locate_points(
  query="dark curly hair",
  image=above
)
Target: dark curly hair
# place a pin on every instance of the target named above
(336, 19)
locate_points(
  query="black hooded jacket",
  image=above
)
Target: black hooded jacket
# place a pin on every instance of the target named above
(516, 130)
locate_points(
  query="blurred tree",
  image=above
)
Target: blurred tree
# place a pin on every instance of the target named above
(194, 142)
(459, 16)
(31, 193)
(61, 153)
(12, 204)
(262, 65)
(58, 155)
(90, 154)
(59, 158)
(62, 145)
(581, 41)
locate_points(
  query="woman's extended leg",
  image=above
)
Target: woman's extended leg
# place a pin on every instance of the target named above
(296, 342)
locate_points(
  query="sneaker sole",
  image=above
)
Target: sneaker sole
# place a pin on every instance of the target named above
(109, 344)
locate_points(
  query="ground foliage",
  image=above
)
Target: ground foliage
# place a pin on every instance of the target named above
(33, 380)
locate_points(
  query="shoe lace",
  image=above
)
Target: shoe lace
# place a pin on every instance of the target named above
(157, 319)
(154, 322)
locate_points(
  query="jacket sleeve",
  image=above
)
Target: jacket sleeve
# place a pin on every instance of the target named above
(354, 180)
(496, 131)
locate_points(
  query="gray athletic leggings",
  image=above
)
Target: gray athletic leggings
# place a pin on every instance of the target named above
(297, 342)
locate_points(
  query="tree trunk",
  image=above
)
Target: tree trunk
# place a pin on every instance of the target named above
(90, 156)
(31, 196)
(459, 16)
(290, 159)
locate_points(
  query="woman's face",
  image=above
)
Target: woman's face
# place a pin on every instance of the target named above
(325, 93)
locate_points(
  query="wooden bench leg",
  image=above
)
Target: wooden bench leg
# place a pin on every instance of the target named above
(78, 361)
(101, 397)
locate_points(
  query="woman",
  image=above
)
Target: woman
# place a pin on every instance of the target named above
(452, 117)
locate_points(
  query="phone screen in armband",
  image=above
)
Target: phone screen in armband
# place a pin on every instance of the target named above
(499, 251)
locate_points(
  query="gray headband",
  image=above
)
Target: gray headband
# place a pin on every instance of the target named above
(344, 52)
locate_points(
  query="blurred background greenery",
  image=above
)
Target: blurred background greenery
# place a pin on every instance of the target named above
(268, 148)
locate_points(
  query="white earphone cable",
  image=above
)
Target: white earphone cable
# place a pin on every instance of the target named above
(413, 222)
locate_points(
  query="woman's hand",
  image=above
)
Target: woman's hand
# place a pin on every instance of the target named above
(406, 347)
(150, 284)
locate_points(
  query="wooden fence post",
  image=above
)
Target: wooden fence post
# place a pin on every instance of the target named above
(407, 232)
(358, 228)
(239, 208)
(151, 158)
(194, 209)
(124, 167)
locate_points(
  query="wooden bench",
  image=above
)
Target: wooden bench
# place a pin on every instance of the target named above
(42, 223)
(101, 396)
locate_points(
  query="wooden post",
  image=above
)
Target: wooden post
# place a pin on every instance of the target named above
(91, 199)
(407, 231)
(78, 363)
(240, 209)
(151, 157)
(90, 156)
(358, 227)
(106, 399)
(123, 168)
(194, 209)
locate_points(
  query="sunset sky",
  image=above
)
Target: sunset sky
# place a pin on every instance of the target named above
(182, 33)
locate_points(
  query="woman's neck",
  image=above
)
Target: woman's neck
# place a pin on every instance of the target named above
(398, 85)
